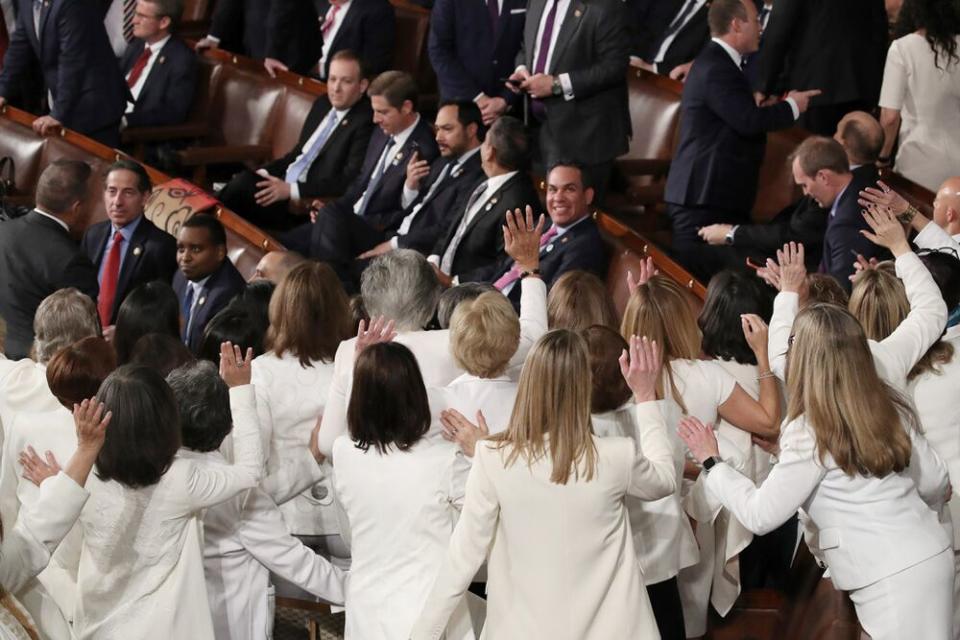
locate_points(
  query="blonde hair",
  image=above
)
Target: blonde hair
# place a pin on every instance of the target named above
(553, 399)
(879, 301)
(484, 334)
(578, 300)
(833, 383)
(659, 310)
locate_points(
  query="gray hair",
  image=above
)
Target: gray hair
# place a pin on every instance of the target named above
(64, 317)
(203, 401)
(510, 143)
(401, 286)
(453, 296)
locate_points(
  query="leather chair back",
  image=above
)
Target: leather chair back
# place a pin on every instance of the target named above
(776, 188)
(410, 53)
(290, 118)
(21, 144)
(196, 10)
(243, 107)
(654, 115)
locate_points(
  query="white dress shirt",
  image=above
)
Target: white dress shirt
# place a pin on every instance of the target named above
(391, 153)
(9, 16)
(339, 114)
(564, 78)
(137, 87)
(113, 21)
(331, 35)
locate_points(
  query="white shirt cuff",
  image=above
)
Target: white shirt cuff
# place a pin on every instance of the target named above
(213, 39)
(409, 195)
(434, 260)
(522, 66)
(394, 243)
(455, 281)
(794, 107)
(567, 86)
(477, 97)
(294, 190)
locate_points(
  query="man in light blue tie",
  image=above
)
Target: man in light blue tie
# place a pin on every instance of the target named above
(327, 156)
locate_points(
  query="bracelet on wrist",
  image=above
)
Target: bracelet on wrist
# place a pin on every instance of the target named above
(765, 375)
(531, 272)
(907, 216)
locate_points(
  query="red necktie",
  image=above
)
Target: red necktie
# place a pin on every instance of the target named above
(139, 66)
(108, 287)
(331, 17)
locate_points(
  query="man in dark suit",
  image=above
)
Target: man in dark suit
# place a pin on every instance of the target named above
(38, 254)
(79, 68)
(370, 205)
(804, 221)
(821, 168)
(574, 65)
(160, 69)
(206, 280)
(127, 249)
(325, 160)
(681, 39)
(238, 25)
(648, 21)
(366, 27)
(472, 246)
(838, 47)
(714, 173)
(572, 242)
(473, 45)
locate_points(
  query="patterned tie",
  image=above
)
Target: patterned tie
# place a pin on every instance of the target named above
(375, 176)
(513, 274)
(299, 168)
(678, 22)
(108, 285)
(129, 10)
(139, 66)
(330, 19)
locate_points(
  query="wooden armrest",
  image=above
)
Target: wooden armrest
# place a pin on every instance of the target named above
(643, 167)
(135, 135)
(196, 156)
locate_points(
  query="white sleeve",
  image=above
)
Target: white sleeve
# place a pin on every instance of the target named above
(28, 545)
(264, 412)
(901, 350)
(933, 236)
(533, 318)
(722, 383)
(205, 485)
(408, 196)
(790, 483)
(928, 471)
(264, 534)
(894, 88)
(298, 473)
(785, 308)
(335, 410)
(653, 475)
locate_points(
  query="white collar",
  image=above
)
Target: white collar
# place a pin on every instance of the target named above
(401, 138)
(459, 162)
(157, 46)
(60, 222)
(494, 183)
(733, 53)
(563, 230)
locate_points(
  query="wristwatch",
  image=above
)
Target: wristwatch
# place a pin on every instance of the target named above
(728, 239)
(710, 463)
(557, 88)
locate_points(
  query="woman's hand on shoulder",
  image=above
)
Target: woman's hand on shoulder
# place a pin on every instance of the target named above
(456, 428)
(699, 438)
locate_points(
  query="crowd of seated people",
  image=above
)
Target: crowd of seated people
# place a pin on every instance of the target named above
(426, 409)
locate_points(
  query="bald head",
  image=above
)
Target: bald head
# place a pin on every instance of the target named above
(946, 206)
(861, 136)
(275, 265)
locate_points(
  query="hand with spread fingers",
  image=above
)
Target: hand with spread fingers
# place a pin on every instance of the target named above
(91, 420)
(640, 365)
(793, 269)
(755, 331)
(521, 238)
(886, 230)
(699, 438)
(647, 271)
(883, 196)
(379, 330)
(37, 469)
(456, 428)
(235, 369)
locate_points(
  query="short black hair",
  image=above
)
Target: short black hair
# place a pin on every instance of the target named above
(161, 352)
(234, 324)
(203, 399)
(729, 295)
(255, 299)
(944, 268)
(388, 404)
(456, 294)
(61, 184)
(143, 178)
(467, 113)
(510, 143)
(218, 235)
(144, 432)
(572, 164)
(151, 307)
(722, 13)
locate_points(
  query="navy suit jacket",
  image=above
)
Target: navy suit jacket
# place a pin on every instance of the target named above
(843, 238)
(687, 44)
(151, 255)
(239, 24)
(382, 211)
(224, 283)
(78, 64)
(722, 137)
(467, 56)
(167, 93)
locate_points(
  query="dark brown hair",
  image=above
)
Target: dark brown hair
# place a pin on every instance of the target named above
(609, 389)
(818, 153)
(388, 404)
(76, 372)
(396, 87)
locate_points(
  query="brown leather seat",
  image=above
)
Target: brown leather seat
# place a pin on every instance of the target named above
(410, 53)
(777, 188)
(916, 195)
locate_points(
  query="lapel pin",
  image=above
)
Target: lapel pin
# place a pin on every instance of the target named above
(577, 13)
(397, 158)
(343, 122)
(161, 60)
(137, 251)
(201, 300)
(549, 248)
(564, 239)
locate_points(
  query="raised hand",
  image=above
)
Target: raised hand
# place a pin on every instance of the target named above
(35, 468)
(91, 423)
(883, 196)
(647, 270)
(861, 264)
(640, 366)
(521, 238)
(770, 274)
(793, 270)
(456, 428)
(379, 330)
(234, 367)
(417, 170)
(887, 231)
(755, 331)
(699, 438)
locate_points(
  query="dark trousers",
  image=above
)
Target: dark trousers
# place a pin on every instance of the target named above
(239, 195)
(686, 246)
(667, 609)
(109, 135)
(822, 119)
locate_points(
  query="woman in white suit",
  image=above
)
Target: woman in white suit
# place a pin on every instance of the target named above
(545, 505)
(309, 317)
(400, 493)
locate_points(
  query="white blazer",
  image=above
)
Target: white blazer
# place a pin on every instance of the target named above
(401, 509)
(245, 540)
(893, 356)
(935, 396)
(432, 350)
(141, 568)
(868, 528)
(933, 236)
(561, 563)
(23, 387)
(662, 536)
(53, 592)
(290, 398)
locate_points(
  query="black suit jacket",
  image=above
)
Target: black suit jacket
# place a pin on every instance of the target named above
(467, 55)
(342, 156)
(37, 257)
(580, 248)
(593, 47)
(804, 221)
(239, 24)
(688, 43)
(480, 250)
(722, 137)
(843, 238)
(78, 64)
(167, 93)
(368, 29)
(434, 216)
(224, 283)
(152, 255)
(382, 211)
(837, 47)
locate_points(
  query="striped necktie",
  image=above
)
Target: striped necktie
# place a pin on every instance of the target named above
(129, 10)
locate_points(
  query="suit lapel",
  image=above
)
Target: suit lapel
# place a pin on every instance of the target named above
(134, 255)
(156, 73)
(575, 15)
(488, 205)
(348, 21)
